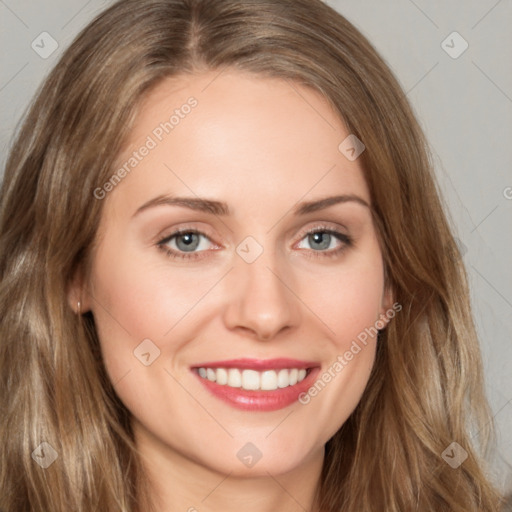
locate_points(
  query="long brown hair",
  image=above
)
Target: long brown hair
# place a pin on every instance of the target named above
(426, 388)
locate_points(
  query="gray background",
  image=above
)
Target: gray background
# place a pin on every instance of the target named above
(464, 105)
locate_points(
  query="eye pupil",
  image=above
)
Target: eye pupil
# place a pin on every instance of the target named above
(191, 241)
(322, 238)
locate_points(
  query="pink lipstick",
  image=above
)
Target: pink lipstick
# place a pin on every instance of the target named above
(257, 384)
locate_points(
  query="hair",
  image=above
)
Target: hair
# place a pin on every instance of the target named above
(426, 389)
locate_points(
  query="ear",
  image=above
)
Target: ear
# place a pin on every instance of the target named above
(387, 305)
(77, 293)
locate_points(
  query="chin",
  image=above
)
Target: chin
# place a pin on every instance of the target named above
(259, 458)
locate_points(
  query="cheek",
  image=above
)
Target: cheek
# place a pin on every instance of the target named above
(349, 305)
(347, 300)
(134, 301)
(145, 299)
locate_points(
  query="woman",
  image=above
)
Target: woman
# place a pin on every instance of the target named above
(227, 279)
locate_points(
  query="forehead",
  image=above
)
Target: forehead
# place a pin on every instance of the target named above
(222, 134)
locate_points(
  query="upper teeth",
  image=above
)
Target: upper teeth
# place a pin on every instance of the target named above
(253, 380)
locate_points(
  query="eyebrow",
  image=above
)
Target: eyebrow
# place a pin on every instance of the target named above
(222, 209)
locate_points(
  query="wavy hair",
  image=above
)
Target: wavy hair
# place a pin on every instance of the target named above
(426, 388)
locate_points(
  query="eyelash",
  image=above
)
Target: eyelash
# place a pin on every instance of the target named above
(342, 237)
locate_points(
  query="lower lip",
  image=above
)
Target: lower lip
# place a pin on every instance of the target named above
(260, 400)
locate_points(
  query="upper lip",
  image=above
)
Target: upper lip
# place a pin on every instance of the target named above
(258, 364)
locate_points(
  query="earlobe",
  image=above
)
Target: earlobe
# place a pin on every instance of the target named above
(77, 296)
(388, 298)
(387, 310)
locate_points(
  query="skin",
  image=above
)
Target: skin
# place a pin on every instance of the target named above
(261, 145)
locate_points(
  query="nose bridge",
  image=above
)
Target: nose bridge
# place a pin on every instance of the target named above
(261, 300)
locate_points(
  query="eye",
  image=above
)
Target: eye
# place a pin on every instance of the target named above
(324, 241)
(189, 243)
(185, 243)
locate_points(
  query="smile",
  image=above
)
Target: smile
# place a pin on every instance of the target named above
(267, 380)
(255, 384)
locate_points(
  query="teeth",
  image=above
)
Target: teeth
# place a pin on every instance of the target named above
(267, 380)
(234, 378)
(222, 376)
(283, 379)
(250, 379)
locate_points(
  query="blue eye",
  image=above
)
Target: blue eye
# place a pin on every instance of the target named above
(325, 242)
(190, 243)
(321, 239)
(181, 242)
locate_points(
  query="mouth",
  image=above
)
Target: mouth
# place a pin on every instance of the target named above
(253, 384)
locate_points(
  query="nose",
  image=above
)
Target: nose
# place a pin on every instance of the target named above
(262, 301)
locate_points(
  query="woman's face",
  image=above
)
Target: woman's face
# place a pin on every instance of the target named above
(269, 279)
